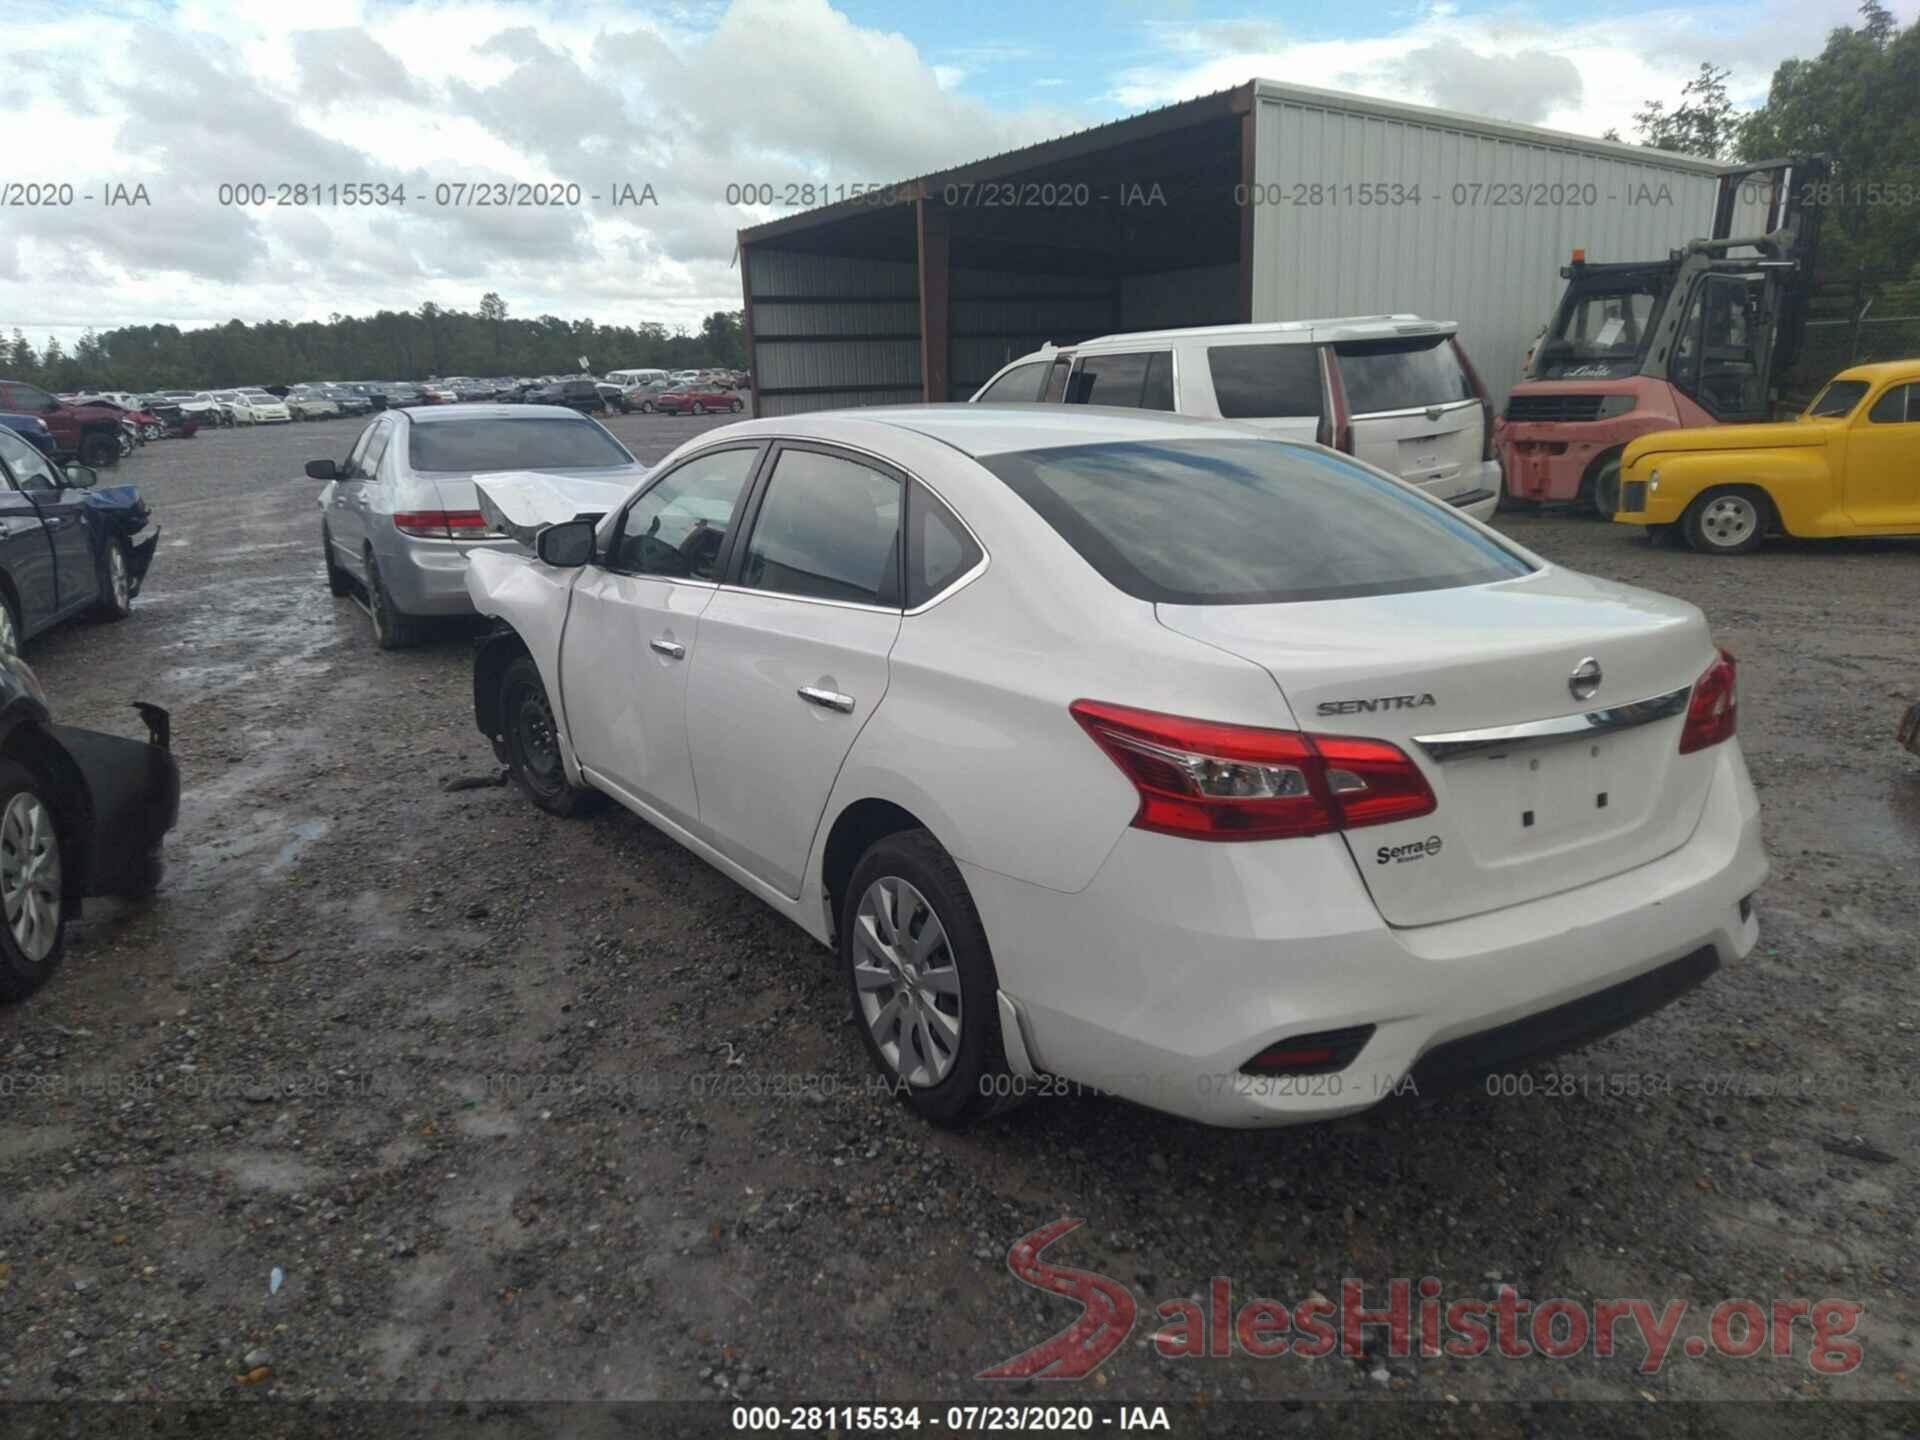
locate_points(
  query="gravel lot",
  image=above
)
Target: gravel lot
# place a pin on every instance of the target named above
(519, 1108)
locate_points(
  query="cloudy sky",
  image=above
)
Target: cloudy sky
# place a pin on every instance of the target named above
(686, 98)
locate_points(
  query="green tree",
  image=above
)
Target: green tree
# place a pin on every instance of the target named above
(1703, 123)
(1858, 103)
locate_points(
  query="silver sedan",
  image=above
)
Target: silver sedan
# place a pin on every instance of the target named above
(399, 515)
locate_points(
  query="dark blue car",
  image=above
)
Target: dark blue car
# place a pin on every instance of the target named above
(33, 428)
(66, 548)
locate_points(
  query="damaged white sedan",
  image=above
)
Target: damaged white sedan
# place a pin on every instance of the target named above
(1220, 772)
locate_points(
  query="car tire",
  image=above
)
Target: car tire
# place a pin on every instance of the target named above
(698, 408)
(1727, 520)
(98, 450)
(533, 747)
(646, 407)
(735, 407)
(339, 582)
(116, 582)
(908, 878)
(393, 629)
(1604, 493)
(33, 913)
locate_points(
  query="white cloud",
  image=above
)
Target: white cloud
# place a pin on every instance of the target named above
(682, 97)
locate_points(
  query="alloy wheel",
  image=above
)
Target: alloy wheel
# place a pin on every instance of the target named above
(908, 983)
(117, 576)
(9, 635)
(30, 874)
(1729, 520)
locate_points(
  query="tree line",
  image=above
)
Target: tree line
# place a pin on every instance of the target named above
(1858, 103)
(388, 345)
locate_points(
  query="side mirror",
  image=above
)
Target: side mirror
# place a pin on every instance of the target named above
(80, 477)
(565, 546)
(322, 470)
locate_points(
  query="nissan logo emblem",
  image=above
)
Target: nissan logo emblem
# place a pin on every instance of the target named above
(1585, 679)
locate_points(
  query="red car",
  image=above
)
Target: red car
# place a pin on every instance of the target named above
(701, 399)
(87, 433)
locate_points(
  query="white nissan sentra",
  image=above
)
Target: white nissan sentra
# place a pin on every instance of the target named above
(1220, 772)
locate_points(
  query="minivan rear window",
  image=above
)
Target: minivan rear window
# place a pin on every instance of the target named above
(1402, 374)
(1247, 522)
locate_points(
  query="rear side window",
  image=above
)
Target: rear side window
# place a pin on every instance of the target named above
(369, 468)
(1140, 380)
(939, 549)
(1900, 405)
(1409, 374)
(492, 443)
(1254, 382)
(828, 529)
(1020, 383)
(1247, 522)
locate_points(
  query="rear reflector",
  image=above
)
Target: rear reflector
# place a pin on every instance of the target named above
(1714, 708)
(1208, 781)
(442, 524)
(1318, 1054)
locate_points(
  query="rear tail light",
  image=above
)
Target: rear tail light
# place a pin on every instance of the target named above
(1486, 405)
(1336, 429)
(1714, 708)
(1207, 781)
(441, 524)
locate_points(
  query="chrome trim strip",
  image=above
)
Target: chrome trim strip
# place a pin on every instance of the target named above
(1457, 743)
(1421, 410)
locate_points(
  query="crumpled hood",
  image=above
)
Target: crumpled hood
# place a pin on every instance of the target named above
(123, 505)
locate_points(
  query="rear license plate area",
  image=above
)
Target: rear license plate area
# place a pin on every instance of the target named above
(1541, 797)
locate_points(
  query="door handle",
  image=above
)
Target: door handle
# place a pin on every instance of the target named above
(826, 699)
(669, 648)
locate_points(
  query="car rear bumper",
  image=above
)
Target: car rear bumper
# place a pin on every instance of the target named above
(1179, 962)
(132, 800)
(427, 577)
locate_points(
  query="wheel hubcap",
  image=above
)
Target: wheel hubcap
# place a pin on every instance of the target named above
(30, 874)
(909, 986)
(1729, 520)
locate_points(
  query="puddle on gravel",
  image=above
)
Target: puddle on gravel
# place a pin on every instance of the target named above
(268, 830)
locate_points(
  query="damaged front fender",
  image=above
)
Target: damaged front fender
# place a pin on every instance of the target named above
(118, 513)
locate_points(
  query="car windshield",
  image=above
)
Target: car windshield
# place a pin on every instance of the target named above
(1247, 522)
(534, 442)
(262, 397)
(1838, 398)
(1602, 330)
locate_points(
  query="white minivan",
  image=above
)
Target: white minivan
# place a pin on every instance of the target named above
(1395, 391)
(627, 379)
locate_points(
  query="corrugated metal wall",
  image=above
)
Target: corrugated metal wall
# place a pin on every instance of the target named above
(837, 330)
(1000, 315)
(1171, 299)
(1460, 253)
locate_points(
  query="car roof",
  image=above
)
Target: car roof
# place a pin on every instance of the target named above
(994, 429)
(1881, 370)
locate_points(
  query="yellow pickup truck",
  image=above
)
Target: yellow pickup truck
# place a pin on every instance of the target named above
(1849, 464)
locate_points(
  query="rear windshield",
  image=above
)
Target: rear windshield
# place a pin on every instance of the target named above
(1401, 374)
(1247, 522)
(495, 443)
(1838, 398)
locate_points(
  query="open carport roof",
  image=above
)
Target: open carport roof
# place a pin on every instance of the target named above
(1148, 193)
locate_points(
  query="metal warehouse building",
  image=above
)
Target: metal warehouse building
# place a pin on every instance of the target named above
(1264, 202)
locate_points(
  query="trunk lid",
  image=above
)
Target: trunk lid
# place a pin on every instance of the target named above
(1412, 409)
(570, 494)
(1517, 818)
